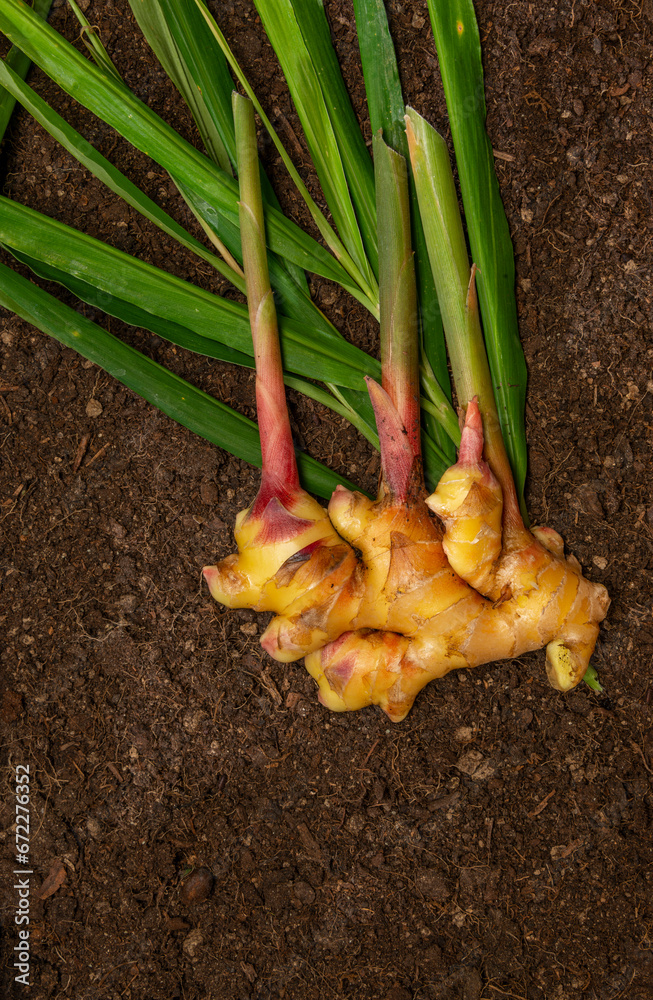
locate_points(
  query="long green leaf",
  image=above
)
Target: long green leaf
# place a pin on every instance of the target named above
(309, 352)
(385, 100)
(292, 298)
(357, 409)
(116, 105)
(204, 69)
(190, 341)
(180, 38)
(369, 294)
(89, 157)
(459, 52)
(356, 161)
(91, 39)
(387, 109)
(215, 127)
(20, 64)
(189, 406)
(285, 34)
(435, 462)
(129, 313)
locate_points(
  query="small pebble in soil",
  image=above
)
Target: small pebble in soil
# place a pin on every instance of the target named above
(192, 942)
(94, 828)
(209, 493)
(197, 887)
(93, 408)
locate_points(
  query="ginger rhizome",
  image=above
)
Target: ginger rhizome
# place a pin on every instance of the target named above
(384, 596)
(407, 611)
(421, 618)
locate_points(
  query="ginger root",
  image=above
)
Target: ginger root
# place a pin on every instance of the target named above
(422, 599)
(290, 560)
(418, 584)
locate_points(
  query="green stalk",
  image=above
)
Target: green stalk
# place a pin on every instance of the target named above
(455, 283)
(279, 465)
(458, 46)
(387, 109)
(397, 289)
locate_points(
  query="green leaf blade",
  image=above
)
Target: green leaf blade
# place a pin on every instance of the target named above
(185, 63)
(381, 73)
(200, 413)
(116, 105)
(101, 168)
(131, 314)
(283, 28)
(356, 160)
(19, 63)
(310, 352)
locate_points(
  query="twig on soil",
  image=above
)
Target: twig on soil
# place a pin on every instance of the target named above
(114, 770)
(541, 806)
(98, 454)
(81, 451)
(5, 405)
(372, 749)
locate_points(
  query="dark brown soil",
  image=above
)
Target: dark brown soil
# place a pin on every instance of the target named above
(221, 834)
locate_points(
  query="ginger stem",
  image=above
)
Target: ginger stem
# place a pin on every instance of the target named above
(472, 378)
(456, 288)
(280, 477)
(290, 559)
(398, 320)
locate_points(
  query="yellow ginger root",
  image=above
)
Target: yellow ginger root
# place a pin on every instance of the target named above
(290, 560)
(522, 565)
(448, 625)
(537, 597)
(405, 575)
(469, 501)
(379, 629)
